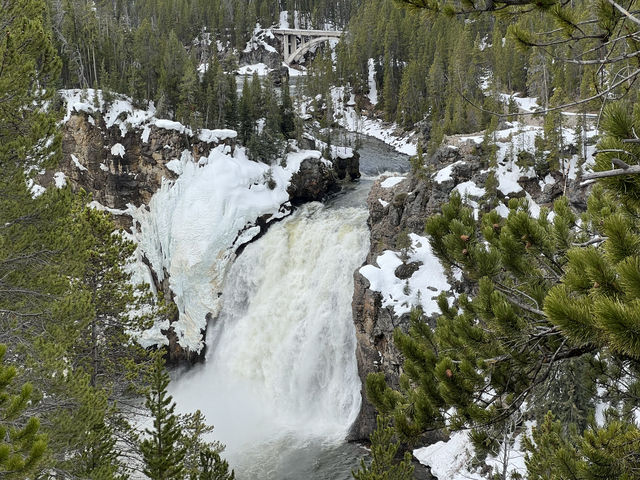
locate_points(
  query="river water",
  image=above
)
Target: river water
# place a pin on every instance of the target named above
(280, 382)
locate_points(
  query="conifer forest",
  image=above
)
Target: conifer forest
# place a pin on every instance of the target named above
(319, 239)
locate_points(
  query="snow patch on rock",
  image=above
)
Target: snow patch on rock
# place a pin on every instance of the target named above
(60, 179)
(118, 150)
(421, 289)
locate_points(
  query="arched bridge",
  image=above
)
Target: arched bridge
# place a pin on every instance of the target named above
(295, 42)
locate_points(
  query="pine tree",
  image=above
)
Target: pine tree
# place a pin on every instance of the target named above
(22, 446)
(171, 71)
(187, 98)
(245, 113)
(162, 452)
(384, 465)
(202, 460)
(287, 114)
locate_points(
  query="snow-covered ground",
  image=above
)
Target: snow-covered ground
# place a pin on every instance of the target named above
(345, 115)
(519, 137)
(421, 289)
(451, 460)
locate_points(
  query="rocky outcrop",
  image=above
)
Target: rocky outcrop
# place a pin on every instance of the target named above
(313, 181)
(347, 165)
(119, 170)
(405, 207)
(262, 47)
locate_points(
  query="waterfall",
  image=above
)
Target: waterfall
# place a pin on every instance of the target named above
(280, 373)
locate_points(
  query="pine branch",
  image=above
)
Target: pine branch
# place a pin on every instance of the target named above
(614, 160)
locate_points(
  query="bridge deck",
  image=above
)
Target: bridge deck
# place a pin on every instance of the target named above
(308, 33)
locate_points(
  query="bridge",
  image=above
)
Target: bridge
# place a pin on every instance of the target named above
(295, 42)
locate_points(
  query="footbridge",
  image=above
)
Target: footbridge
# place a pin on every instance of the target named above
(296, 42)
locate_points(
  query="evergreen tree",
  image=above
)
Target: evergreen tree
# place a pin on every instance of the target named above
(287, 114)
(22, 446)
(162, 452)
(384, 465)
(188, 96)
(245, 114)
(171, 71)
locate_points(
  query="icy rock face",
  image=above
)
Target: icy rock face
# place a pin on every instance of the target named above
(153, 173)
(122, 170)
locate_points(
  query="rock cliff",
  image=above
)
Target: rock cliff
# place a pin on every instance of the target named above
(404, 207)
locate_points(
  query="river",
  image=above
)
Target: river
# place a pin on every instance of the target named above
(280, 381)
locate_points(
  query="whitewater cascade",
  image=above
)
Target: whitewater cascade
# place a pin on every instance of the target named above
(280, 372)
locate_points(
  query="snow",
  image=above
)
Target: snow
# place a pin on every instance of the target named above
(145, 134)
(525, 104)
(171, 125)
(445, 173)
(259, 68)
(508, 179)
(284, 21)
(299, 71)
(175, 166)
(118, 150)
(469, 189)
(421, 289)
(601, 407)
(448, 460)
(483, 43)
(373, 91)
(257, 41)
(383, 203)
(114, 211)
(451, 460)
(193, 225)
(341, 152)
(103, 167)
(391, 182)
(153, 336)
(503, 210)
(120, 112)
(60, 179)
(347, 117)
(77, 100)
(77, 163)
(35, 189)
(216, 136)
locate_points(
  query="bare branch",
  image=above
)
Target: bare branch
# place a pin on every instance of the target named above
(625, 12)
(632, 170)
(590, 242)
